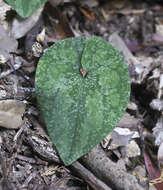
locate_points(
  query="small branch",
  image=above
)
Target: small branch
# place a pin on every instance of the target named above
(91, 179)
(15, 67)
(108, 171)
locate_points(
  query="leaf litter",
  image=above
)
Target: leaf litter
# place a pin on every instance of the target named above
(144, 58)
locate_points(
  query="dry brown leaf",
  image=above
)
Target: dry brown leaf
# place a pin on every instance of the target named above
(11, 112)
(88, 13)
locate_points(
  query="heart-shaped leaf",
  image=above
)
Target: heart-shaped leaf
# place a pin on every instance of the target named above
(83, 89)
(25, 7)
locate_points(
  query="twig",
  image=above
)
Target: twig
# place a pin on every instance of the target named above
(29, 178)
(108, 171)
(26, 159)
(5, 73)
(91, 179)
(26, 124)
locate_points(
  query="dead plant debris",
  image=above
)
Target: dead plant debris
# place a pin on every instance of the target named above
(129, 158)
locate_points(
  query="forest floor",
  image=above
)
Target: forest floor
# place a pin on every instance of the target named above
(131, 157)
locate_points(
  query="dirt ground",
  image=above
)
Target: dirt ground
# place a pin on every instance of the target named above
(131, 157)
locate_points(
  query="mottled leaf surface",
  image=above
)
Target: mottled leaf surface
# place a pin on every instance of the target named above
(25, 8)
(80, 111)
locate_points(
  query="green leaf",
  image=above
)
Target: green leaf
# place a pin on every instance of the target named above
(25, 8)
(80, 111)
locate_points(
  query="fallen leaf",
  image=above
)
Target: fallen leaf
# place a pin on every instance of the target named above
(132, 149)
(121, 136)
(159, 27)
(158, 131)
(157, 104)
(56, 2)
(11, 112)
(63, 29)
(4, 7)
(128, 121)
(160, 155)
(117, 41)
(88, 13)
(132, 106)
(21, 26)
(90, 3)
(160, 91)
(143, 68)
(153, 172)
(7, 44)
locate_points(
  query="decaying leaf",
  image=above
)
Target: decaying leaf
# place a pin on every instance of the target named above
(90, 3)
(124, 138)
(153, 172)
(121, 136)
(157, 104)
(160, 92)
(11, 112)
(117, 41)
(158, 131)
(160, 155)
(56, 2)
(21, 26)
(7, 44)
(4, 7)
(132, 149)
(80, 111)
(128, 121)
(159, 27)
